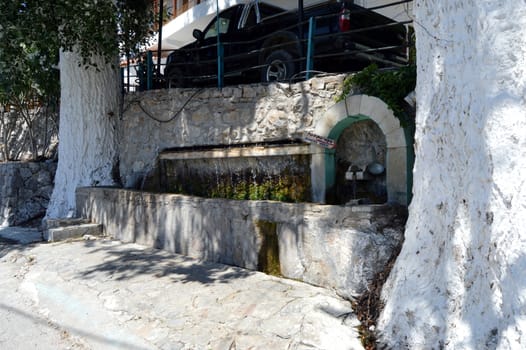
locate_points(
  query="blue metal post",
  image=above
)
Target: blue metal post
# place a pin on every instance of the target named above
(160, 40)
(219, 51)
(149, 70)
(310, 47)
(300, 30)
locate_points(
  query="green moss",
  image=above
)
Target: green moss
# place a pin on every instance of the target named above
(292, 184)
(240, 191)
(268, 257)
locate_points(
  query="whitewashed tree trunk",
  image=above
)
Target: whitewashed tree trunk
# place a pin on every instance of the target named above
(460, 280)
(87, 138)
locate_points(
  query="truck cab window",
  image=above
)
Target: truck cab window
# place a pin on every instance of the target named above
(224, 24)
(251, 18)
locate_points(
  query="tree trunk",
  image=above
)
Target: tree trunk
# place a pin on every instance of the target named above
(460, 279)
(87, 136)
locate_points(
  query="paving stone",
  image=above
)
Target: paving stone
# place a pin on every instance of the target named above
(20, 235)
(109, 295)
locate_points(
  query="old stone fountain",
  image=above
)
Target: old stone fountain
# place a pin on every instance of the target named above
(234, 179)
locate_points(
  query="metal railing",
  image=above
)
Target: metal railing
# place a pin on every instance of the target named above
(142, 74)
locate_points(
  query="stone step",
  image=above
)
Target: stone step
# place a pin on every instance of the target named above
(72, 231)
(63, 222)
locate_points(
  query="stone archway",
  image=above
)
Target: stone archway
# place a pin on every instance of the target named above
(341, 115)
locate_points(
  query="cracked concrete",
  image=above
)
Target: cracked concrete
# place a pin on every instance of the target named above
(103, 294)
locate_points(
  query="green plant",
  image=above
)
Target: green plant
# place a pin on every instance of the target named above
(391, 86)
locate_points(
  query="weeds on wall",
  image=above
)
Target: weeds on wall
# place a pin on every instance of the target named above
(391, 86)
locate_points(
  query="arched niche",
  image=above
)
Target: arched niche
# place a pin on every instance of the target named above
(340, 116)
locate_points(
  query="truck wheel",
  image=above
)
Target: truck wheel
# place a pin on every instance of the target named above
(176, 78)
(279, 66)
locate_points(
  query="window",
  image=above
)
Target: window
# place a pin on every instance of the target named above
(251, 18)
(224, 23)
(266, 10)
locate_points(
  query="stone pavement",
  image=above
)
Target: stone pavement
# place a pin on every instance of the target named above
(104, 294)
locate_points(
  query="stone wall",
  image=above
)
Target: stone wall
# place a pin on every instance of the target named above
(336, 247)
(155, 121)
(233, 115)
(25, 188)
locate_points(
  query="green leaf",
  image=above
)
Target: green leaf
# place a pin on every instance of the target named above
(391, 86)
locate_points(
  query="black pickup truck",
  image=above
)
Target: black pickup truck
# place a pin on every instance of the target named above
(262, 42)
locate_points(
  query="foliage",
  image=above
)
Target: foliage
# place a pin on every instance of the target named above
(136, 19)
(391, 86)
(93, 27)
(26, 58)
(29, 85)
(33, 31)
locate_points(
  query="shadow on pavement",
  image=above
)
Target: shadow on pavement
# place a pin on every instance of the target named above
(53, 325)
(7, 246)
(123, 262)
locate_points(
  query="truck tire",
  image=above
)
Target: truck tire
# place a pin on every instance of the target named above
(175, 78)
(279, 66)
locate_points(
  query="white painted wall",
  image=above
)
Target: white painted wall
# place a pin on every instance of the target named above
(460, 279)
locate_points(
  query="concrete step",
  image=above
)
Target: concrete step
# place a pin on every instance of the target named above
(63, 222)
(72, 231)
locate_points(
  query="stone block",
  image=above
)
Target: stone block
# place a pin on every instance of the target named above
(331, 117)
(353, 104)
(248, 92)
(318, 174)
(396, 138)
(389, 123)
(371, 106)
(318, 84)
(69, 232)
(396, 177)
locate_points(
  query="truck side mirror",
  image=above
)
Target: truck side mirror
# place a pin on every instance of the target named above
(198, 34)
